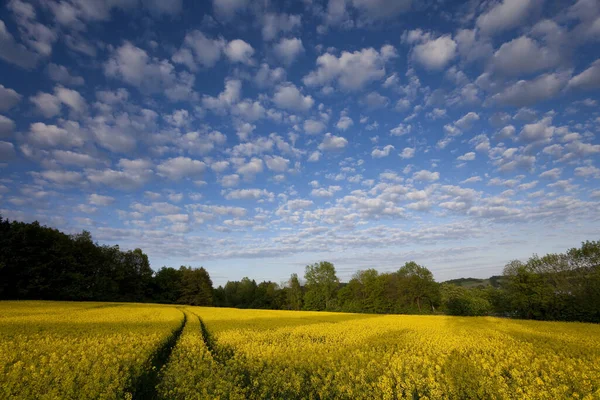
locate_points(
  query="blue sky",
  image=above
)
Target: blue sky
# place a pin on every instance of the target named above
(255, 137)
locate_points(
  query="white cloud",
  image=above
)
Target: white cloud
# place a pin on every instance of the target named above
(230, 180)
(553, 174)
(46, 104)
(181, 167)
(7, 125)
(314, 156)
(249, 194)
(588, 79)
(505, 15)
(287, 50)
(374, 100)
(400, 130)
(288, 96)
(13, 52)
(8, 98)
(587, 172)
(539, 131)
(71, 98)
(266, 76)
(277, 163)
(407, 153)
(122, 180)
(44, 135)
(227, 9)
(151, 75)
(523, 55)
(380, 153)
(332, 142)
(313, 127)
(273, 24)
(435, 54)
(7, 151)
(325, 192)
(251, 168)
(61, 74)
(344, 123)
(197, 48)
(467, 157)
(427, 176)
(524, 93)
(239, 51)
(472, 179)
(227, 98)
(351, 71)
(99, 200)
(467, 121)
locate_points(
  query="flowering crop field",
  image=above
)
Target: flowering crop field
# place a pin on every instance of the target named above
(110, 351)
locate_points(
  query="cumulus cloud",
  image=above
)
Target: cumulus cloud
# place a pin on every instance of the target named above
(313, 127)
(181, 167)
(7, 151)
(400, 130)
(239, 51)
(251, 168)
(249, 194)
(44, 135)
(13, 52)
(226, 99)
(588, 79)
(287, 50)
(273, 24)
(433, 54)
(100, 200)
(466, 122)
(7, 125)
(384, 152)
(527, 92)
(344, 123)
(60, 74)
(505, 15)
(524, 55)
(198, 49)
(587, 172)
(407, 153)
(351, 71)
(427, 176)
(227, 9)
(332, 142)
(288, 96)
(134, 66)
(470, 156)
(538, 131)
(8, 98)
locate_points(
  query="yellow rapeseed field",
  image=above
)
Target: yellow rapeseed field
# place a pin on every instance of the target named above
(318, 355)
(61, 350)
(54, 350)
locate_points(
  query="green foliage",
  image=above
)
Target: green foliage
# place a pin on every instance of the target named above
(196, 287)
(457, 300)
(321, 286)
(294, 293)
(556, 286)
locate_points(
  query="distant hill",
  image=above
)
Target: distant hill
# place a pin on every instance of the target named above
(493, 281)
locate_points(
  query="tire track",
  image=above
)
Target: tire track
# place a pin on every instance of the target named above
(144, 386)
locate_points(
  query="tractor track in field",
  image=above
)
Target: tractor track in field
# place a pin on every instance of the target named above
(144, 386)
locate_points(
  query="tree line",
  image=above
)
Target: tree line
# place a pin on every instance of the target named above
(38, 262)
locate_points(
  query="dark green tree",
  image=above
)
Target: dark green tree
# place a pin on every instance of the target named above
(196, 287)
(294, 293)
(417, 287)
(321, 286)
